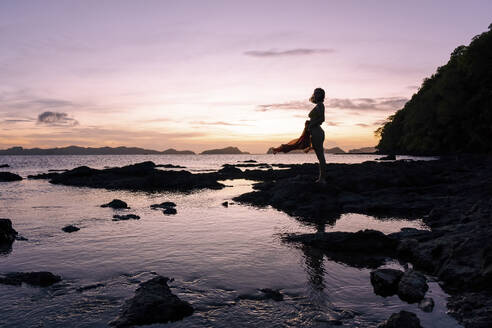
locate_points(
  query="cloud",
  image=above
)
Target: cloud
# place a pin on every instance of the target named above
(56, 119)
(289, 52)
(363, 125)
(384, 104)
(220, 123)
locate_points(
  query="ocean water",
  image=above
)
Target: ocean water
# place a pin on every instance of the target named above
(219, 257)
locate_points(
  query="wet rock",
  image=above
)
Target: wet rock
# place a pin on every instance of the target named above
(7, 233)
(225, 204)
(116, 204)
(125, 217)
(163, 205)
(412, 286)
(41, 278)
(153, 303)
(385, 281)
(427, 304)
(403, 319)
(170, 211)
(42, 176)
(229, 170)
(141, 176)
(273, 294)
(250, 161)
(8, 177)
(4, 166)
(70, 228)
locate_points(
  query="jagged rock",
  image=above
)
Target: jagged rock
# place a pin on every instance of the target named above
(41, 278)
(8, 177)
(163, 205)
(403, 319)
(125, 217)
(153, 303)
(70, 228)
(7, 233)
(170, 211)
(412, 286)
(116, 204)
(385, 281)
(427, 304)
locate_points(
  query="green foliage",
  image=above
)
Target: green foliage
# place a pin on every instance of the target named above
(452, 111)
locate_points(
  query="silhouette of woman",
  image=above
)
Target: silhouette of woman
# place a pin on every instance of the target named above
(317, 117)
(313, 135)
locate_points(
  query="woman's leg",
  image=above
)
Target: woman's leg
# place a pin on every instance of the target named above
(317, 139)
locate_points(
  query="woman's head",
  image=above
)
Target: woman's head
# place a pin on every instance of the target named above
(318, 96)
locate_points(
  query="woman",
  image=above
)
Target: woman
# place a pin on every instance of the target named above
(313, 135)
(317, 117)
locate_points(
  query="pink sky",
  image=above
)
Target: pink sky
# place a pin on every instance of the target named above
(205, 74)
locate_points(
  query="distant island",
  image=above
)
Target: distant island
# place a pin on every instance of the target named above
(335, 150)
(363, 150)
(227, 150)
(451, 112)
(76, 150)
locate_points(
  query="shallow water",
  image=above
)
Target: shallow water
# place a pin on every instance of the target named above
(214, 253)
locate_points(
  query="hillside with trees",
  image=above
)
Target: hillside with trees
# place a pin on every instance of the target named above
(452, 111)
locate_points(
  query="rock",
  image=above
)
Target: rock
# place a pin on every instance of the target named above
(272, 294)
(41, 176)
(385, 281)
(403, 319)
(250, 161)
(7, 233)
(8, 177)
(70, 228)
(153, 303)
(41, 278)
(427, 304)
(412, 286)
(387, 158)
(229, 170)
(89, 287)
(225, 204)
(170, 166)
(4, 166)
(163, 205)
(141, 176)
(125, 217)
(170, 211)
(116, 204)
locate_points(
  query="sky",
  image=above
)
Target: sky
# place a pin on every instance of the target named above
(209, 74)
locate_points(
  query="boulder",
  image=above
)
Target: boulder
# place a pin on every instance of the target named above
(225, 204)
(228, 169)
(412, 286)
(7, 233)
(70, 228)
(4, 166)
(116, 204)
(153, 303)
(385, 281)
(273, 294)
(8, 177)
(170, 211)
(163, 205)
(403, 319)
(125, 217)
(41, 278)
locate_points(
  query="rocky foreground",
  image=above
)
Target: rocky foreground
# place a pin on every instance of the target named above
(452, 195)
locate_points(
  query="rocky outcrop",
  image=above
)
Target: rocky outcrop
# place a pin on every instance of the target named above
(142, 176)
(153, 303)
(41, 278)
(412, 286)
(43, 176)
(8, 177)
(163, 205)
(116, 204)
(7, 233)
(403, 319)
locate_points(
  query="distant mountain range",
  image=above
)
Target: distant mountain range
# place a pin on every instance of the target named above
(75, 150)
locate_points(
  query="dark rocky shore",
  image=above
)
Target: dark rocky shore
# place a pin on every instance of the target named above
(452, 195)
